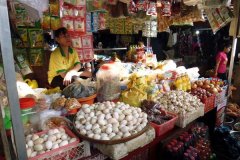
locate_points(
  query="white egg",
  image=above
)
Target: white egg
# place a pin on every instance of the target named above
(88, 127)
(58, 135)
(78, 126)
(133, 132)
(29, 152)
(84, 106)
(50, 132)
(98, 113)
(124, 129)
(95, 126)
(102, 122)
(108, 116)
(109, 130)
(90, 135)
(58, 141)
(112, 120)
(103, 129)
(123, 122)
(93, 120)
(55, 146)
(62, 130)
(129, 118)
(115, 125)
(120, 134)
(83, 132)
(38, 141)
(139, 128)
(63, 143)
(30, 143)
(52, 138)
(105, 138)
(72, 140)
(121, 117)
(115, 115)
(111, 135)
(38, 147)
(115, 129)
(96, 136)
(86, 110)
(92, 114)
(33, 154)
(97, 131)
(88, 119)
(101, 117)
(56, 131)
(106, 111)
(49, 145)
(35, 137)
(64, 137)
(29, 137)
(127, 134)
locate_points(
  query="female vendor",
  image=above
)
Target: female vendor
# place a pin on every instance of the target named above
(64, 63)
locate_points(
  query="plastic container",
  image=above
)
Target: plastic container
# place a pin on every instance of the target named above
(74, 150)
(108, 82)
(209, 103)
(165, 127)
(26, 106)
(87, 100)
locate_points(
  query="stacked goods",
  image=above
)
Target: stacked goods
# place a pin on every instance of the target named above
(68, 104)
(187, 106)
(110, 121)
(233, 110)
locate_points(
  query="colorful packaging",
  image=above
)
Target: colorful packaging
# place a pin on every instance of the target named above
(88, 54)
(80, 54)
(76, 41)
(87, 41)
(67, 11)
(35, 37)
(54, 8)
(55, 23)
(36, 57)
(46, 22)
(23, 38)
(79, 25)
(151, 9)
(67, 22)
(22, 62)
(80, 11)
(166, 8)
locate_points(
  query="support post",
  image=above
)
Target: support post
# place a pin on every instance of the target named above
(10, 76)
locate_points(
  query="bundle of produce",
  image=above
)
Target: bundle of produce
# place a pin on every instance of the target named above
(233, 110)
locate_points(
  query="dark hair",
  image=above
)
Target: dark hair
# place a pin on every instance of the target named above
(227, 45)
(60, 31)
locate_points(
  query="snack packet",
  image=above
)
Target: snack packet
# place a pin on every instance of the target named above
(67, 22)
(35, 37)
(55, 23)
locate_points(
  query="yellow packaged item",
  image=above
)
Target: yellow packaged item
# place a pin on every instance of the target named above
(133, 97)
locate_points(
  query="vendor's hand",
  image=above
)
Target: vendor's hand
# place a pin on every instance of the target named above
(68, 78)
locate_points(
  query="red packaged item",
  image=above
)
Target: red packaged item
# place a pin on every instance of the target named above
(166, 8)
(142, 5)
(152, 9)
(132, 8)
(76, 41)
(87, 41)
(80, 54)
(88, 54)
(80, 25)
(67, 22)
(67, 11)
(80, 11)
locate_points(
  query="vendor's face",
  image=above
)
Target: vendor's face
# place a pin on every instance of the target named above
(227, 49)
(64, 40)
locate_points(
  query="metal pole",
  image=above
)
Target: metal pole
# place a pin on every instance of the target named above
(10, 76)
(234, 45)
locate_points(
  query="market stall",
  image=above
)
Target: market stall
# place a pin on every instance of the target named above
(132, 108)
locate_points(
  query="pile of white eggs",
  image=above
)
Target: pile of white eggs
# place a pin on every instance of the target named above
(53, 139)
(109, 120)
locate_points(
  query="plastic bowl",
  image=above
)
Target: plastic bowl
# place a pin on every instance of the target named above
(235, 134)
(87, 100)
(229, 120)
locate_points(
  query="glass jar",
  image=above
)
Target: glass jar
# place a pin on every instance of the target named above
(26, 106)
(108, 83)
